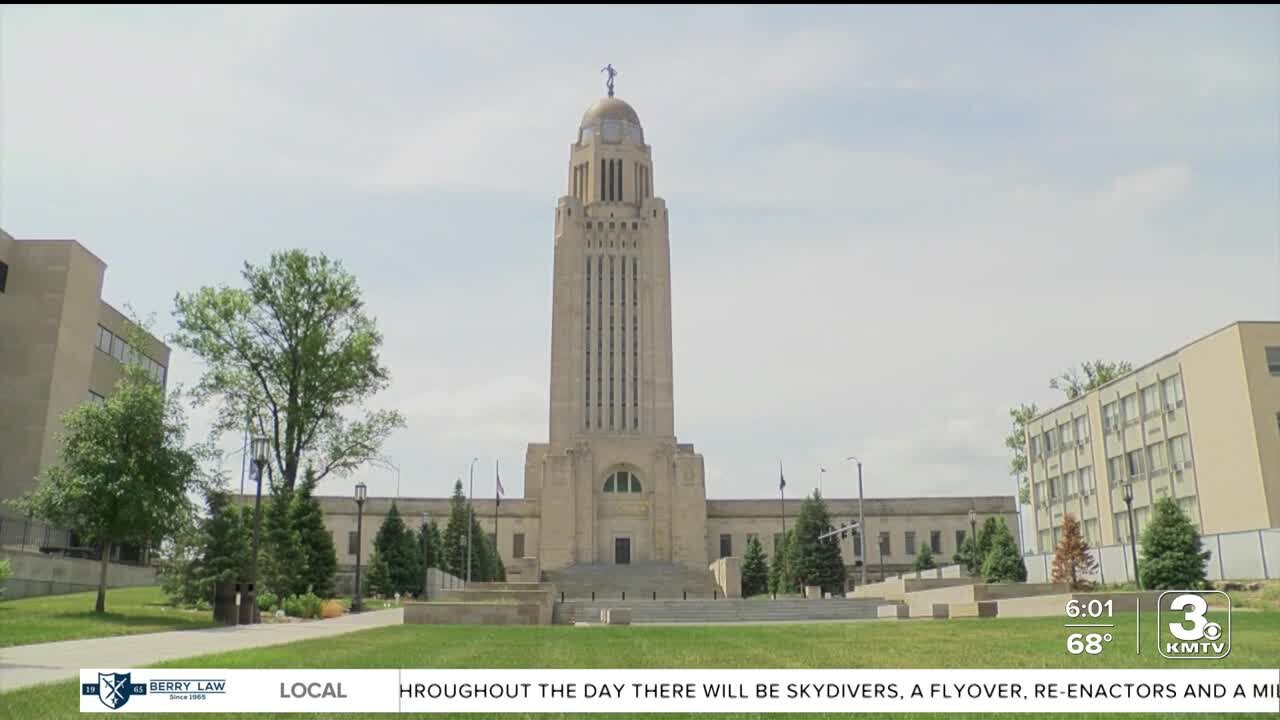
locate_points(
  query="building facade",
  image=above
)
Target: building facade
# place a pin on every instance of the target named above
(613, 485)
(60, 345)
(1200, 424)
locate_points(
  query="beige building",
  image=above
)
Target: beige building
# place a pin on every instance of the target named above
(613, 486)
(1201, 425)
(60, 345)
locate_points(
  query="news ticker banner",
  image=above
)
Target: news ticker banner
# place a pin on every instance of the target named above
(109, 690)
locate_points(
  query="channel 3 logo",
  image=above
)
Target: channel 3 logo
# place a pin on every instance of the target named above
(1185, 630)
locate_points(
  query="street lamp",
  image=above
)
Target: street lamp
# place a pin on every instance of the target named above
(470, 514)
(973, 539)
(1133, 537)
(862, 524)
(261, 446)
(821, 473)
(356, 603)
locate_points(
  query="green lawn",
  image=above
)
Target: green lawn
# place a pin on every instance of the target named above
(995, 643)
(130, 611)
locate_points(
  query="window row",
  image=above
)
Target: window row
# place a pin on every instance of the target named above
(884, 545)
(1069, 484)
(1157, 459)
(115, 346)
(1165, 396)
(1060, 438)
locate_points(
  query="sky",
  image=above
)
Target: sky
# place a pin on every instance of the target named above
(888, 224)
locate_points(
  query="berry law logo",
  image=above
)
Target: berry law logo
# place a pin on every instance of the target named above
(114, 689)
(1186, 632)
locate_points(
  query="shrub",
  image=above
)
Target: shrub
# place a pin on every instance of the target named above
(302, 606)
(268, 601)
(331, 609)
(203, 605)
(5, 572)
(1003, 563)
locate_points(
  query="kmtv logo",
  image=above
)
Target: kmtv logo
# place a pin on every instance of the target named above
(1185, 630)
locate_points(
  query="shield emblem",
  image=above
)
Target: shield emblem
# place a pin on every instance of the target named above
(113, 689)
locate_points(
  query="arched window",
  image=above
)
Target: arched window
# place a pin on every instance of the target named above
(622, 481)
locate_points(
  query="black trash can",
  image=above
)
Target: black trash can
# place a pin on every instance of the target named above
(225, 611)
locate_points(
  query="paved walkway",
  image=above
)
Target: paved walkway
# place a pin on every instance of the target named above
(25, 665)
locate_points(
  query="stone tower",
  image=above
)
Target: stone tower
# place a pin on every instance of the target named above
(613, 485)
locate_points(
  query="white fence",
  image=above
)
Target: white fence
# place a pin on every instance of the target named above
(1247, 555)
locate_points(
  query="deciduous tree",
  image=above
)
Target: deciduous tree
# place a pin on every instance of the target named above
(1072, 562)
(296, 353)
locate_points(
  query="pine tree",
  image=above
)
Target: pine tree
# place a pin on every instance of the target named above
(1072, 562)
(398, 548)
(1003, 563)
(781, 579)
(497, 571)
(430, 537)
(813, 561)
(317, 544)
(224, 547)
(1172, 555)
(986, 538)
(378, 580)
(481, 554)
(282, 559)
(755, 571)
(924, 560)
(455, 534)
(966, 555)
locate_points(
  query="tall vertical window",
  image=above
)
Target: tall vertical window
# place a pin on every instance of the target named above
(1111, 417)
(1156, 458)
(1082, 428)
(959, 539)
(622, 346)
(1129, 408)
(935, 541)
(1135, 464)
(1086, 480)
(1150, 400)
(586, 394)
(611, 328)
(910, 542)
(600, 340)
(1172, 392)
(1115, 468)
(1273, 353)
(885, 546)
(517, 545)
(726, 545)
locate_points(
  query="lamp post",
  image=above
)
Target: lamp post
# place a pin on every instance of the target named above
(973, 539)
(1133, 537)
(470, 513)
(261, 446)
(862, 522)
(357, 604)
(821, 474)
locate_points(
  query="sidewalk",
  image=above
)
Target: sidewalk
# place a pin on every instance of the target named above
(25, 665)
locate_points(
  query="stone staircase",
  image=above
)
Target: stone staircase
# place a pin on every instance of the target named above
(637, 580)
(722, 610)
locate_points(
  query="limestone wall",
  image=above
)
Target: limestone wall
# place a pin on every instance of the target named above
(470, 613)
(36, 574)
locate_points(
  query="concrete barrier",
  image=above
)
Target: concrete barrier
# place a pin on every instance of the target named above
(616, 616)
(470, 613)
(727, 572)
(897, 588)
(982, 608)
(812, 592)
(35, 574)
(893, 611)
(938, 611)
(539, 598)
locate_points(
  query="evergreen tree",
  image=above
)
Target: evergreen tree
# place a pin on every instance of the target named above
(378, 577)
(498, 570)
(986, 538)
(282, 561)
(1172, 555)
(1072, 562)
(924, 560)
(1003, 563)
(398, 548)
(813, 561)
(227, 537)
(432, 540)
(755, 571)
(781, 579)
(966, 555)
(481, 554)
(455, 534)
(317, 544)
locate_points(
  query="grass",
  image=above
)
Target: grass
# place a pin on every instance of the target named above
(130, 611)
(985, 643)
